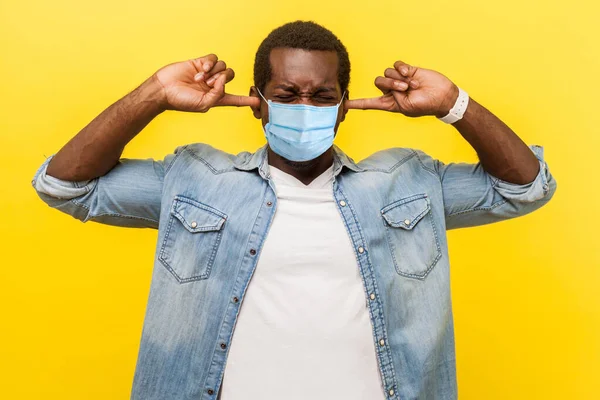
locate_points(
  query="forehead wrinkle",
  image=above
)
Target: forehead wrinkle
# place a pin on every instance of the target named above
(307, 70)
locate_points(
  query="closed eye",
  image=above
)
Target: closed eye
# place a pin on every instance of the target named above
(284, 98)
(325, 99)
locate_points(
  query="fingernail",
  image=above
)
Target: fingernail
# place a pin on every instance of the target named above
(404, 70)
(401, 85)
(199, 76)
(211, 80)
(414, 84)
(206, 67)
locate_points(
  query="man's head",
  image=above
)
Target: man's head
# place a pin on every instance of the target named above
(301, 63)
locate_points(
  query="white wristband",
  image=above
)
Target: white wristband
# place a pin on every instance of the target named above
(457, 112)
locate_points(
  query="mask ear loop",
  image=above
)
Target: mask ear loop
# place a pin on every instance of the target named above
(342, 100)
(261, 95)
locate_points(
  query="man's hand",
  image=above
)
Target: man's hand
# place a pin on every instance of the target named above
(197, 85)
(412, 91)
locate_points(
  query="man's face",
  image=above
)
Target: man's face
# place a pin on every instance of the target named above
(302, 77)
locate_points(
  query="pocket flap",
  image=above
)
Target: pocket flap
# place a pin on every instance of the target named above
(197, 217)
(406, 212)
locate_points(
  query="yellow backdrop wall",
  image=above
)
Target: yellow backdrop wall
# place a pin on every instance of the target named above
(525, 292)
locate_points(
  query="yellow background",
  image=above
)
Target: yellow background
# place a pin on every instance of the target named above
(526, 292)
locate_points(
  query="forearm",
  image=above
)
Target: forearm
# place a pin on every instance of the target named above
(96, 149)
(501, 152)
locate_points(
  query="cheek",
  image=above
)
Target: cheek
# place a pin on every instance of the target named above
(340, 118)
(264, 115)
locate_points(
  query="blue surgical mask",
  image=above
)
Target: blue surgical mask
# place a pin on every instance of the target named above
(300, 132)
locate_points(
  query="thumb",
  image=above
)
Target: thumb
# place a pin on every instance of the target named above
(218, 88)
(373, 103)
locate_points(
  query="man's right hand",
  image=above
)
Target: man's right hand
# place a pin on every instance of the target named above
(197, 85)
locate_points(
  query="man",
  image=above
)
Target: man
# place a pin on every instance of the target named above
(341, 267)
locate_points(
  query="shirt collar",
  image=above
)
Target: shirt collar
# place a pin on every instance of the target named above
(258, 159)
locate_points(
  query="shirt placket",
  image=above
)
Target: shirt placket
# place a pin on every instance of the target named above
(384, 354)
(249, 262)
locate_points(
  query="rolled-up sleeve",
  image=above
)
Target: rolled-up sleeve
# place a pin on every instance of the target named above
(536, 190)
(474, 197)
(129, 195)
(58, 188)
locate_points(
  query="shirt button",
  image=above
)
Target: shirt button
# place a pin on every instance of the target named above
(391, 392)
(372, 296)
(407, 222)
(252, 251)
(269, 203)
(343, 203)
(223, 346)
(382, 342)
(194, 224)
(210, 391)
(235, 299)
(361, 250)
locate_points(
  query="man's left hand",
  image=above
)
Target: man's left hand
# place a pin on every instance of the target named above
(412, 91)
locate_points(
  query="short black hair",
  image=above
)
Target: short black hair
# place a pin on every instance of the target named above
(305, 35)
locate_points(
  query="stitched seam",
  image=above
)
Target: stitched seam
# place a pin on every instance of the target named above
(91, 216)
(482, 208)
(402, 161)
(161, 257)
(375, 288)
(371, 312)
(403, 201)
(198, 204)
(390, 169)
(207, 228)
(207, 164)
(388, 229)
(168, 168)
(241, 262)
(211, 259)
(202, 275)
(426, 168)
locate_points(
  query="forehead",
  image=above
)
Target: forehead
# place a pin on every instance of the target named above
(303, 68)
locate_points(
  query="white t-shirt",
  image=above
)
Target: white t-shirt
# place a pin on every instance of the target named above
(304, 331)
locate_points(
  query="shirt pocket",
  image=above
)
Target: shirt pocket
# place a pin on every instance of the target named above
(192, 239)
(412, 236)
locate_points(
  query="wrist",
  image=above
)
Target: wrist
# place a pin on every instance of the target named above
(448, 102)
(152, 93)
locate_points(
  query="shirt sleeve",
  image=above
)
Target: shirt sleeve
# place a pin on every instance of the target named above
(474, 197)
(129, 195)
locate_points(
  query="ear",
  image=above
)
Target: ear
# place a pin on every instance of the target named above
(255, 110)
(344, 109)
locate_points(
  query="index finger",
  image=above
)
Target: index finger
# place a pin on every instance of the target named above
(238, 101)
(373, 103)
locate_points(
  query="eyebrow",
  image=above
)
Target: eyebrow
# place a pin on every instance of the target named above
(317, 90)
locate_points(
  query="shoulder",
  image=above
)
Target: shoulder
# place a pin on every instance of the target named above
(390, 159)
(215, 159)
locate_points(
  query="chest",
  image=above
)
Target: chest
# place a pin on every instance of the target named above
(207, 224)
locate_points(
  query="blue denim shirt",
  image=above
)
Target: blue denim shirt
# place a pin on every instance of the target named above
(213, 211)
